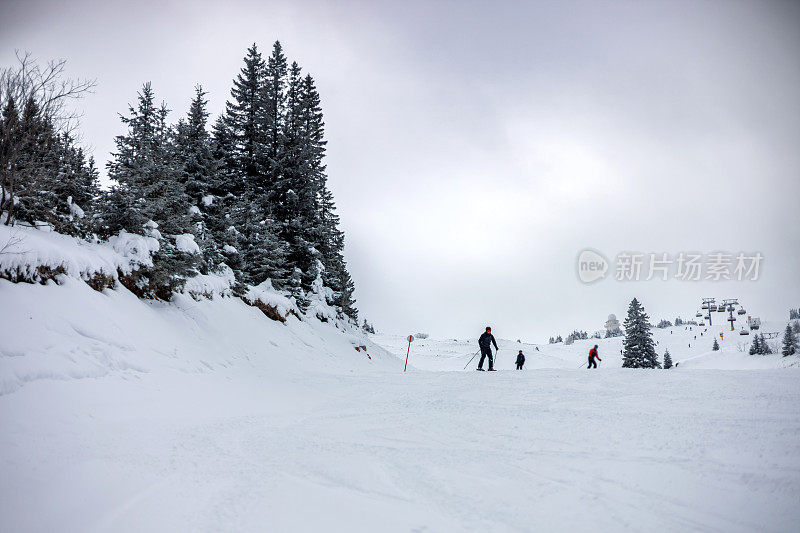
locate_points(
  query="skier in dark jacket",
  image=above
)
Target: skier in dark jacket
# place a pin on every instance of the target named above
(485, 342)
(520, 360)
(592, 356)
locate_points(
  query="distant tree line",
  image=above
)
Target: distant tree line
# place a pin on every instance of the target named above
(250, 191)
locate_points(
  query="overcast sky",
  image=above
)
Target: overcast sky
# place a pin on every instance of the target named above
(475, 148)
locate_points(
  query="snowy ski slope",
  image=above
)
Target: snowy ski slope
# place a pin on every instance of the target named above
(686, 346)
(124, 415)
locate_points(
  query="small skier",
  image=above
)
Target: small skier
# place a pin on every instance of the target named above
(520, 360)
(485, 342)
(592, 356)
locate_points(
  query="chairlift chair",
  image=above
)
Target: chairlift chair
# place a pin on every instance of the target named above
(741, 311)
(744, 332)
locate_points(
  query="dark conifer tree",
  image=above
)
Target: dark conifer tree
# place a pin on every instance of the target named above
(199, 169)
(766, 349)
(147, 173)
(755, 347)
(243, 121)
(639, 351)
(667, 360)
(789, 342)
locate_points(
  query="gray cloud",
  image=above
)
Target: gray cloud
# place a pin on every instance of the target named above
(475, 148)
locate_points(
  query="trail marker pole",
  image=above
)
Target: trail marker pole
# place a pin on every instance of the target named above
(410, 340)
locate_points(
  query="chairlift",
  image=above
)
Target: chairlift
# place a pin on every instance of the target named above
(712, 308)
(744, 332)
(705, 306)
(699, 314)
(732, 319)
(741, 311)
(721, 309)
(701, 324)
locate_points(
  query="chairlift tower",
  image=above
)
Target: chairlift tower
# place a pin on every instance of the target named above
(729, 304)
(707, 303)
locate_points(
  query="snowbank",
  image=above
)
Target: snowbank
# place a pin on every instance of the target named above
(72, 327)
(31, 254)
(69, 331)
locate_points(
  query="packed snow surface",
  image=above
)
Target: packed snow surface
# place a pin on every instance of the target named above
(124, 415)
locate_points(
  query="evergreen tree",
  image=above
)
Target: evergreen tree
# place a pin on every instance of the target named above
(242, 144)
(199, 170)
(298, 210)
(667, 360)
(638, 347)
(54, 183)
(243, 122)
(262, 253)
(274, 109)
(766, 349)
(755, 347)
(789, 342)
(147, 173)
(715, 347)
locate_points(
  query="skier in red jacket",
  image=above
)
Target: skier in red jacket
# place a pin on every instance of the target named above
(592, 356)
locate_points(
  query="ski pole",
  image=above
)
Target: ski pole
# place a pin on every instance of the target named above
(473, 357)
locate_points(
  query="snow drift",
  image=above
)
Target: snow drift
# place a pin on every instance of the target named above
(65, 327)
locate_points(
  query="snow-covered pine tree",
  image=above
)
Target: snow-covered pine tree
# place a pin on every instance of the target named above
(242, 144)
(32, 171)
(789, 342)
(199, 170)
(262, 253)
(274, 100)
(755, 346)
(147, 172)
(36, 150)
(766, 349)
(638, 347)
(58, 185)
(667, 360)
(715, 347)
(243, 121)
(299, 209)
(328, 238)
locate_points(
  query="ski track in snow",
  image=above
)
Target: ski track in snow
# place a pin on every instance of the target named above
(711, 451)
(151, 419)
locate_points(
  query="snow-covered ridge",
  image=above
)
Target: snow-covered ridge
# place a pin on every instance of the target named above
(28, 254)
(66, 327)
